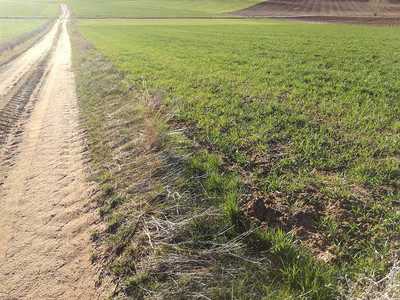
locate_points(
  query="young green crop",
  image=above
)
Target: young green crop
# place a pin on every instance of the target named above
(307, 115)
(297, 105)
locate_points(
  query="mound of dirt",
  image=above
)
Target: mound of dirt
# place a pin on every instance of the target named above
(302, 220)
(355, 12)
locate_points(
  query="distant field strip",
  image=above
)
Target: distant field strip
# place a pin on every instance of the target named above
(13, 28)
(27, 9)
(155, 8)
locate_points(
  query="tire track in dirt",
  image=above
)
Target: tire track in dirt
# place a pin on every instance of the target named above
(44, 228)
(13, 108)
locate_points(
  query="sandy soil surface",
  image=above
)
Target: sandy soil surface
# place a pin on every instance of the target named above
(325, 11)
(44, 227)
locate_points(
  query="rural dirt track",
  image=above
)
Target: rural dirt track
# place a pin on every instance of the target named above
(44, 227)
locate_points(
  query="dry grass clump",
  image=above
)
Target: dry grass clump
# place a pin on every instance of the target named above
(369, 287)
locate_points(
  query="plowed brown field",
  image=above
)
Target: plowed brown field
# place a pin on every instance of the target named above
(325, 11)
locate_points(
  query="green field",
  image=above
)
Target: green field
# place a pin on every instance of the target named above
(155, 8)
(13, 27)
(27, 9)
(307, 115)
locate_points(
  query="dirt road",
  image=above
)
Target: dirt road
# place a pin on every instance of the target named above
(44, 227)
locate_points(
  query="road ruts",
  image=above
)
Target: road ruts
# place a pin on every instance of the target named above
(19, 98)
